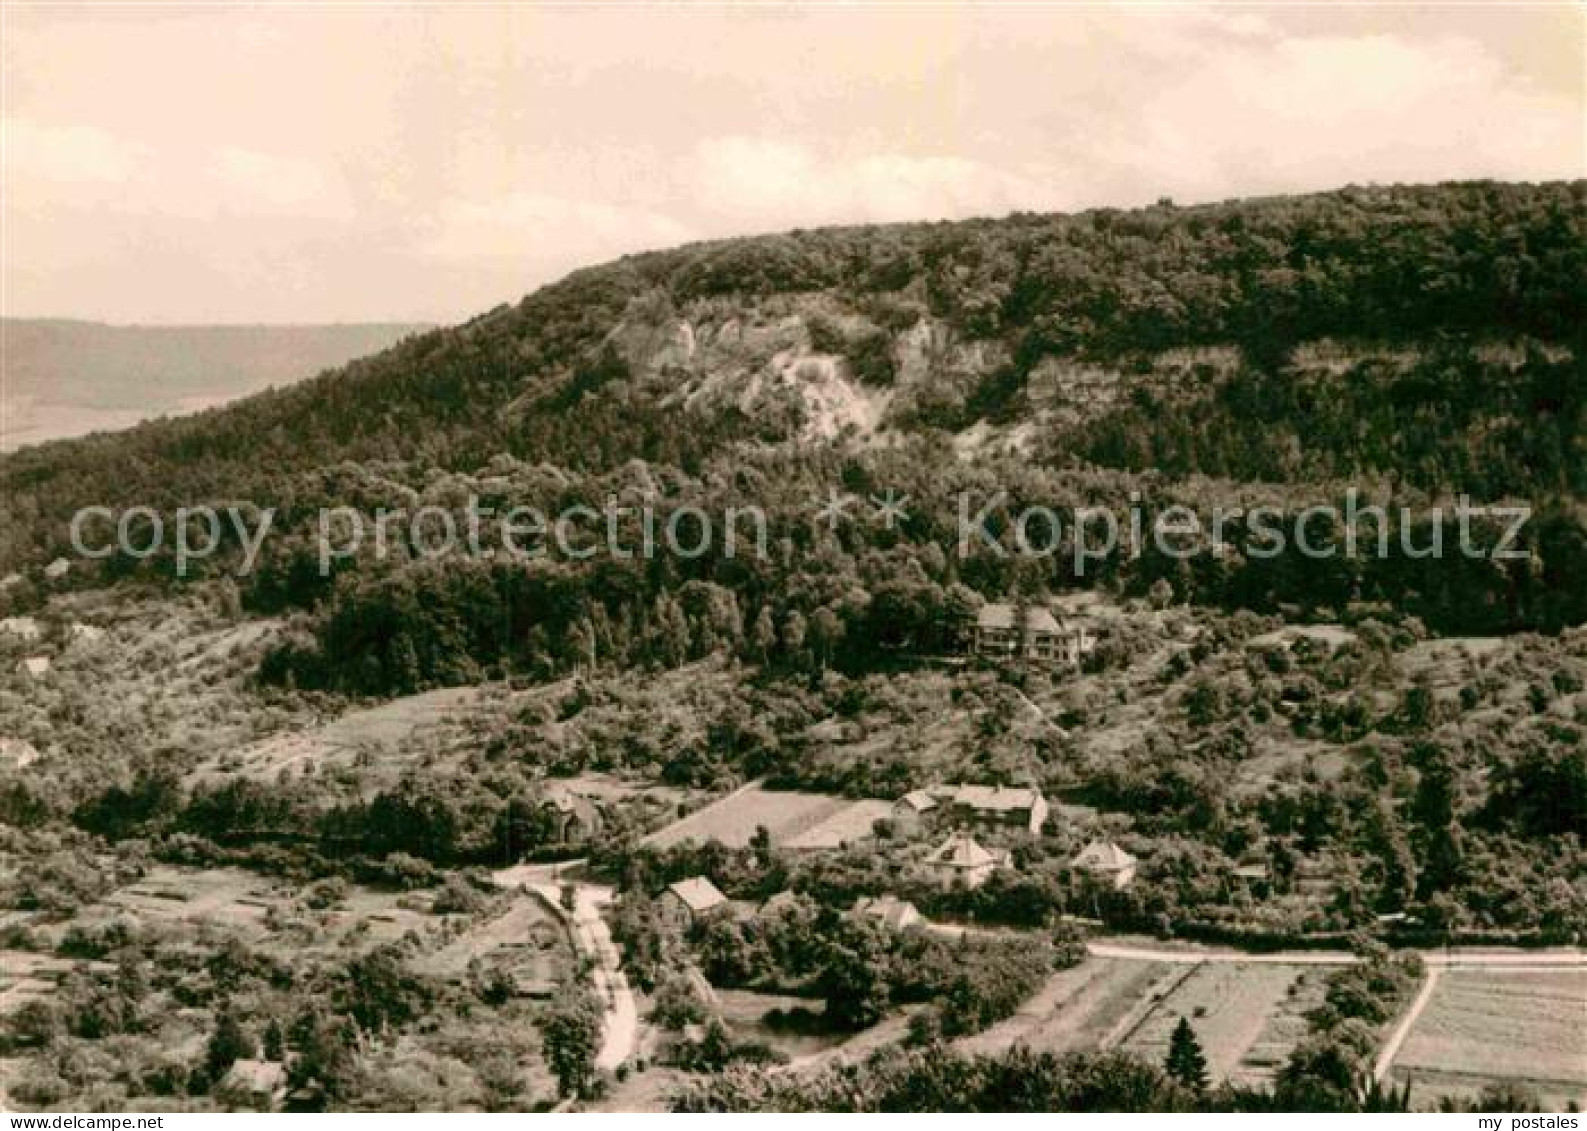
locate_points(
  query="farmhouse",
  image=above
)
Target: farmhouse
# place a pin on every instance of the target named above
(692, 901)
(1003, 630)
(962, 861)
(912, 808)
(256, 1083)
(899, 914)
(574, 816)
(1105, 861)
(994, 806)
(57, 569)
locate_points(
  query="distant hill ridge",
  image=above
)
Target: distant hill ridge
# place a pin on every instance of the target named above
(67, 376)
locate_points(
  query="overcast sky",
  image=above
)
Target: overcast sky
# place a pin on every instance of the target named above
(202, 165)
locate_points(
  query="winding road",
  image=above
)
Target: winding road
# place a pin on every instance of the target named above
(590, 935)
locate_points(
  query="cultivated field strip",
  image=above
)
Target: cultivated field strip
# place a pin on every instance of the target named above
(1496, 1024)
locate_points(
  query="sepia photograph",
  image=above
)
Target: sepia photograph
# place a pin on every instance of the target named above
(635, 558)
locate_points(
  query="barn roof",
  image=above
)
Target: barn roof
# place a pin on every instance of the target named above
(993, 798)
(698, 893)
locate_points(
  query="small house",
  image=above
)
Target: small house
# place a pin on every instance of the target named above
(1108, 863)
(899, 914)
(575, 818)
(35, 667)
(254, 1083)
(963, 862)
(692, 901)
(57, 569)
(912, 809)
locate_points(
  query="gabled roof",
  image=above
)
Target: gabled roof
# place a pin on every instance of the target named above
(698, 894)
(918, 800)
(992, 798)
(888, 909)
(1002, 614)
(1104, 856)
(961, 851)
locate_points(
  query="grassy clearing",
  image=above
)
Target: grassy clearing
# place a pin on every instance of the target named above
(370, 739)
(1081, 1007)
(526, 932)
(1483, 1026)
(1286, 1026)
(265, 911)
(1228, 1004)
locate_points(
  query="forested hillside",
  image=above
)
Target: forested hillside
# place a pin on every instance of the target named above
(1464, 303)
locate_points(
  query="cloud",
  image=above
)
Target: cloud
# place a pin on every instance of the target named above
(246, 180)
(256, 164)
(782, 183)
(48, 165)
(70, 154)
(52, 167)
(1281, 114)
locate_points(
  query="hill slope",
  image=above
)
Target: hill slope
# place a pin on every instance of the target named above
(1438, 332)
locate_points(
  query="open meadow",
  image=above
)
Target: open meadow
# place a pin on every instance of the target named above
(1246, 1016)
(1525, 1026)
